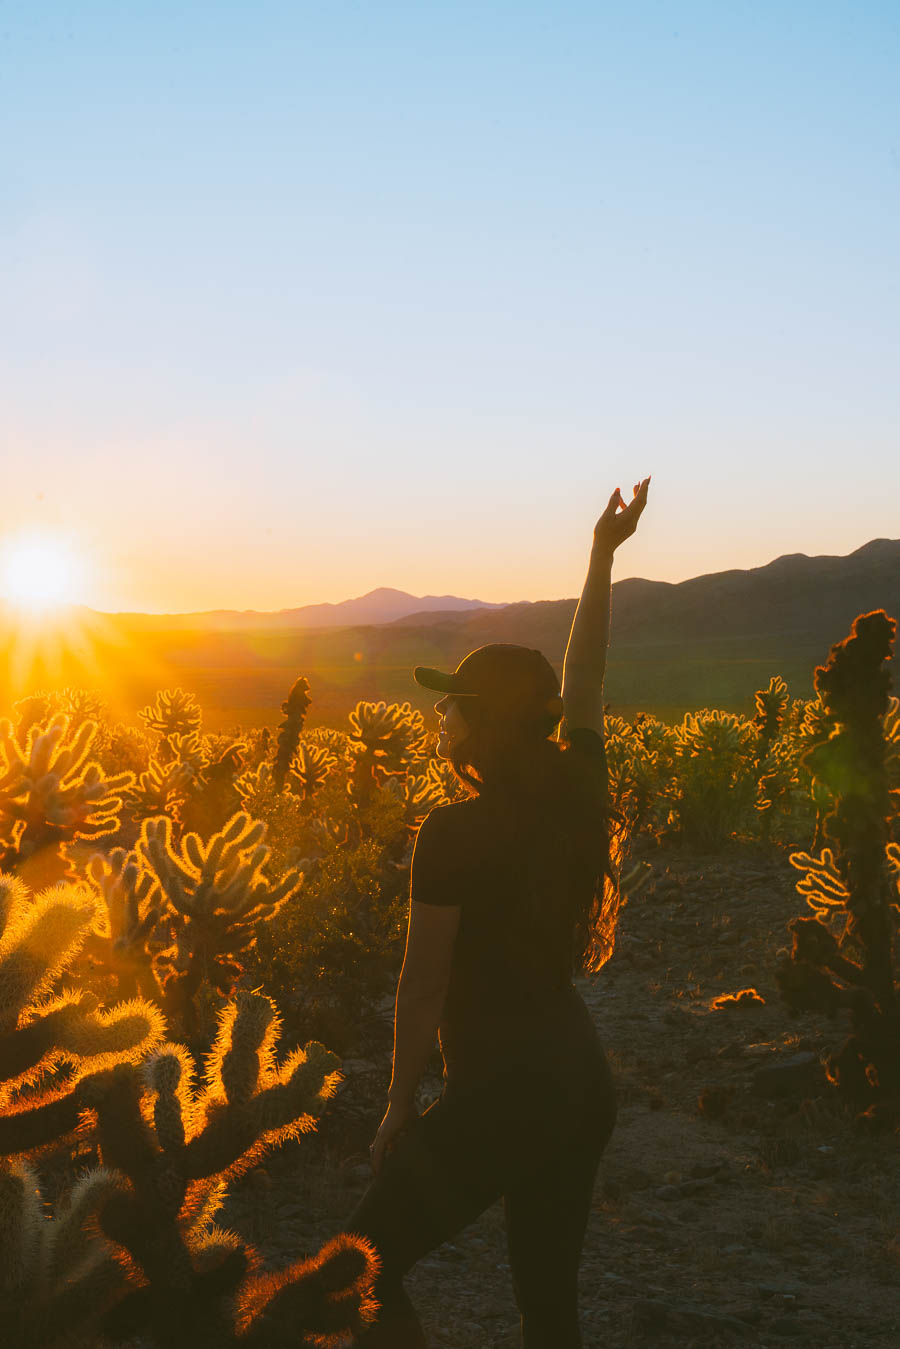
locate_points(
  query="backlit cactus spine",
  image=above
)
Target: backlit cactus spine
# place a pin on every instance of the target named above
(295, 707)
(193, 1284)
(133, 913)
(309, 768)
(777, 780)
(51, 795)
(385, 739)
(41, 936)
(217, 896)
(173, 712)
(55, 1278)
(848, 885)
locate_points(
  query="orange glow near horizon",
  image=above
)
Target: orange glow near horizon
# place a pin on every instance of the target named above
(40, 572)
(52, 648)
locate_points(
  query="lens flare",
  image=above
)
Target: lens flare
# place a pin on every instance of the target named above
(40, 573)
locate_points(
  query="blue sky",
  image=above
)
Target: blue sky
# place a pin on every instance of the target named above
(302, 300)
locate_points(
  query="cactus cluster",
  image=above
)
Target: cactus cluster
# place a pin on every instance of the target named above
(386, 739)
(54, 1042)
(181, 914)
(842, 956)
(177, 1145)
(133, 1251)
(51, 794)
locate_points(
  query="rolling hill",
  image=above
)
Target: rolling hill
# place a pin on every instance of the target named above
(708, 641)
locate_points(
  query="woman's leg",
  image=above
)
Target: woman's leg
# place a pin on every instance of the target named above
(546, 1216)
(438, 1177)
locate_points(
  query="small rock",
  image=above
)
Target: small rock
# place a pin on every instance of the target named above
(801, 1074)
(786, 1325)
(703, 1170)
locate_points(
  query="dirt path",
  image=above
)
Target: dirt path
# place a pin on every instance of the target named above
(762, 1217)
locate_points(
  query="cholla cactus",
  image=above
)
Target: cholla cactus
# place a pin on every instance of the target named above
(160, 790)
(337, 742)
(716, 776)
(771, 703)
(161, 1270)
(419, 793)
(82, 705)
(842, 957)
(39, 1029)
(640, 761)
(295, 708)
(133, 913)
(50, 795)
(173, 712)
(309, 768)
(218, 896)
(179, 1147)
(215, 797)
(386, 738)
(256, 785)
(891, 726)
(56, 1278)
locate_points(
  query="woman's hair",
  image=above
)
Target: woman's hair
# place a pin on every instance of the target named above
(553, 803)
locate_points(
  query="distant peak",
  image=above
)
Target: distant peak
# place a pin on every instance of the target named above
(878, 548)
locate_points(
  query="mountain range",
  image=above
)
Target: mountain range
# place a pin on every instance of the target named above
(710, 641)
(794, 594)
(383, 605)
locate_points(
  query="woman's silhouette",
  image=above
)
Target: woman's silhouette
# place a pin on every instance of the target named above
(511, 891)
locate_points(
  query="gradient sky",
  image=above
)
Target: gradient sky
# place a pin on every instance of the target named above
(301, 300)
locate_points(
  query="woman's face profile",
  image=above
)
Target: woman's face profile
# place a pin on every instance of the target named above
(453, 728)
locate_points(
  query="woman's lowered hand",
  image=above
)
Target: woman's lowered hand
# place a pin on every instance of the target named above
(615, 524)
(397, 1116)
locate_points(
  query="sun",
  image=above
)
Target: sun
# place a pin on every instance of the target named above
(39, 573)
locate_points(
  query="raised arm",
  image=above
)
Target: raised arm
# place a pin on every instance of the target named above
(585, 661)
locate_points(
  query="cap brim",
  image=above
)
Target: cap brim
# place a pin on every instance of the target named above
(433, 679)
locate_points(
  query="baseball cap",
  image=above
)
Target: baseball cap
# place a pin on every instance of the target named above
(515, 680)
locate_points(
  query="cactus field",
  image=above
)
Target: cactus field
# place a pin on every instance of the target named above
(200, 936)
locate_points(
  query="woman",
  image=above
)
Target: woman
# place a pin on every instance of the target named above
(509, 889)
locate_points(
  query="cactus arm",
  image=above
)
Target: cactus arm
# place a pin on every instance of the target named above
(39, 1121)
(329, 1295)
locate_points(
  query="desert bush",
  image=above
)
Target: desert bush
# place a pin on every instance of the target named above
(386, 739)
(173, 712)
(295, 708)
(133, 1252)
(842, 957)
(716, 777)
(641, 762)
(177, 917)
(186, 1283)
(52, 794)
(54, 1279)
(335, 949)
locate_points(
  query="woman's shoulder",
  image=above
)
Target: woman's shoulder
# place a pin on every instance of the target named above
(451, 817)
(584, 740)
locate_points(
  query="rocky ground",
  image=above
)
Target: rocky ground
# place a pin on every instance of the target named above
(737, 1202)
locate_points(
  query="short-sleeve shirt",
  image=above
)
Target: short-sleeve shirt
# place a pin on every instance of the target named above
(512, 961)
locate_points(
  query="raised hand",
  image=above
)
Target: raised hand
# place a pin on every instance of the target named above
(615, 524)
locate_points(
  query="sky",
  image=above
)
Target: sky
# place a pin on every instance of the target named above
(301, 300)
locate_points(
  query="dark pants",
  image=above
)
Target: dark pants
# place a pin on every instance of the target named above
(533, 1134)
